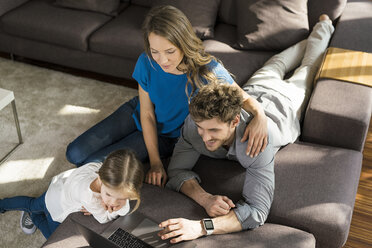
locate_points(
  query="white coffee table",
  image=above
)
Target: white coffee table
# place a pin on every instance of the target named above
(7, 97)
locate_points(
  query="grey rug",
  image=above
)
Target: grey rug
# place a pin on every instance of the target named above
(53, 109)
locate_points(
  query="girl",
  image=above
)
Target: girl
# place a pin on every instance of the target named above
(103, 190)
(170, 71)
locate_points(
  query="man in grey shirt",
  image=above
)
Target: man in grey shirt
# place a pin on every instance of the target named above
(215, 128)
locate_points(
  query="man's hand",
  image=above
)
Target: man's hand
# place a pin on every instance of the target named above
(256, 133)
(217, 205)
(181, 229)
(156, 175)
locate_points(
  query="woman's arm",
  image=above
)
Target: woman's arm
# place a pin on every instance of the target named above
(256, 130)
(156, 174)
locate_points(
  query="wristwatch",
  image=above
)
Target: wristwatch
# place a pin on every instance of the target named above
(208, 226)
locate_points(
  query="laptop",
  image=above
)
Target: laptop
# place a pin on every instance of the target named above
(133, 230)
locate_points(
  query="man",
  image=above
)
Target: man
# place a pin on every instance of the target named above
(215, 128)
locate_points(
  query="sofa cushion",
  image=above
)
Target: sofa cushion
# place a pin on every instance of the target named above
(40, 20)
(227, 12)
(7, 5)
(350, 31)
(333, 8)
(108, 7)
(122, 36)
(241, 63)
(201, 14)
(144, 3)
(271, 24)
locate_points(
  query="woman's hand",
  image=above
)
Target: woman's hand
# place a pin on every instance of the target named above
(256, 133)
(256, 130)
(156, 175)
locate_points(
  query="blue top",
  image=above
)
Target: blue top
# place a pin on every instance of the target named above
(167, 93)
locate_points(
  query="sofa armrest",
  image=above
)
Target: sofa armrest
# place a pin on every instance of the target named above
(7, 5)
(315, 190)
(338, 114)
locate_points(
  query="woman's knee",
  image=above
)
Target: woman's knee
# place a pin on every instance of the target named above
(74, 154)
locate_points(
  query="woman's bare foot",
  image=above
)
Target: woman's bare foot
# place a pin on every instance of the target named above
(324, 17)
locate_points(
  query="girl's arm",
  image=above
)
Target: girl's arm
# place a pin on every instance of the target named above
(256, 130)
(156, 175)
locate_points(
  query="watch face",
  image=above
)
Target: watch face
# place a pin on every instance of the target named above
(208, 224)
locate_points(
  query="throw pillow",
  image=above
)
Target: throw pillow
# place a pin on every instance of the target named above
(271, 24)
(108, 7)
(201, 14)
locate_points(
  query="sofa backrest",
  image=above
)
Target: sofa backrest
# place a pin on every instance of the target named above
(145, 3)
(333, 8)
(7, 5)
(227, 10)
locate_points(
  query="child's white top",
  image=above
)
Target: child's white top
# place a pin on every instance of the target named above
(70, 190)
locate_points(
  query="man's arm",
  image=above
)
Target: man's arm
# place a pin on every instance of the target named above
(214, 205)
(182, 178)
(183, 229)
(258, 189)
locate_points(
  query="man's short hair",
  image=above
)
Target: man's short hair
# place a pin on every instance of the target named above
(216, 100)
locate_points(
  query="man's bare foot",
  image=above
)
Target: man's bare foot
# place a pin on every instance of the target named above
(324, 17)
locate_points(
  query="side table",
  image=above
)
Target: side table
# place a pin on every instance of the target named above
(7, 97)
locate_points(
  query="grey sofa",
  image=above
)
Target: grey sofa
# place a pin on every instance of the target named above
(316, 177)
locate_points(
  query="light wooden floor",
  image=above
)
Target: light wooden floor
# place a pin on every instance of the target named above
(360, 235)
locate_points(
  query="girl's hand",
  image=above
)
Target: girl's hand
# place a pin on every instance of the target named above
(256, 133)
(156, 175)
(84, 211)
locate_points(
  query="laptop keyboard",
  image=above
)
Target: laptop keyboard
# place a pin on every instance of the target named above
(126, 240)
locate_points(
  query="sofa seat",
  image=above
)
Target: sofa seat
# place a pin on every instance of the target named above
(222, 46)
(123, 34)
(41, 21)
(314, 187)
(169, 204)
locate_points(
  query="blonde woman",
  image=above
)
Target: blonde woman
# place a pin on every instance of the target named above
(172, 69)
(102, 190)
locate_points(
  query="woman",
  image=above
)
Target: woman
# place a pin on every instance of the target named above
(170, 71)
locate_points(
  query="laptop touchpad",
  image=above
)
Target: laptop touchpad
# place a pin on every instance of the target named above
(146, 226)
(148, 230)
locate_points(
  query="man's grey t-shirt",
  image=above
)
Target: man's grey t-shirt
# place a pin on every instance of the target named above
(258, 189)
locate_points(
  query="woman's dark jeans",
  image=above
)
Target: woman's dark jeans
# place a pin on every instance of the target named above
(117, 131)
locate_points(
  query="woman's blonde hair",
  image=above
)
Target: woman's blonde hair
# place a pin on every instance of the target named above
(170, 23)
(122, 170)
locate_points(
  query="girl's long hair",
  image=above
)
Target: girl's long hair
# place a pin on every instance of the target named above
(122, 171)
(170, 23)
